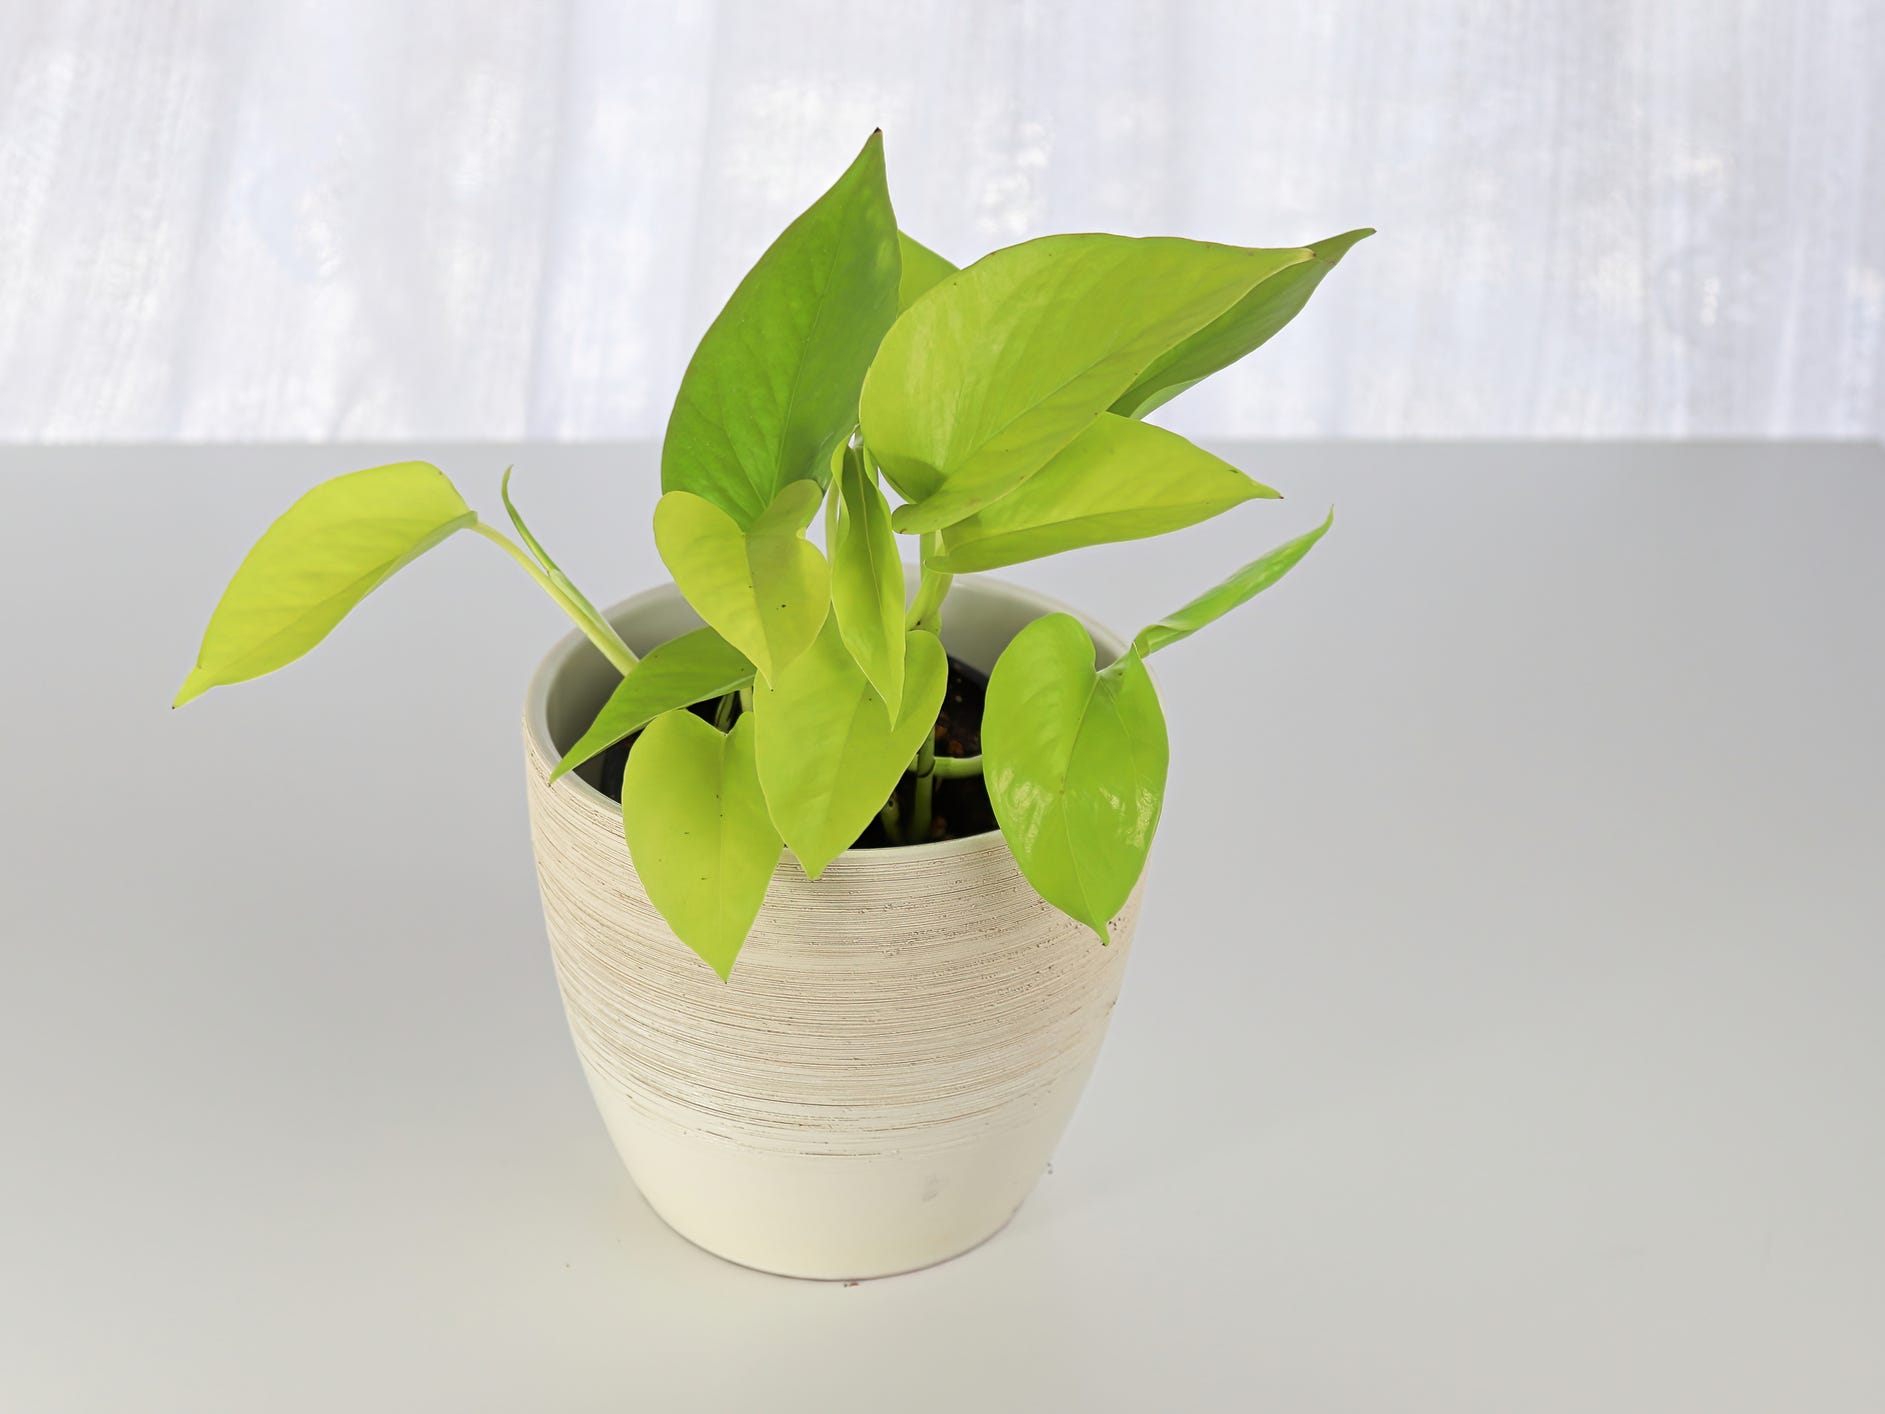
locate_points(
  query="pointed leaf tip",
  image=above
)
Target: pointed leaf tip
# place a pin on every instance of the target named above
(193, 688)
(1330, 251)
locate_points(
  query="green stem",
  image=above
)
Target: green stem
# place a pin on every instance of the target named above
(892, 817)
(723, 713)
(597, 632)
(926, 613)
(922, 807)
(953, 768)
(933, 588)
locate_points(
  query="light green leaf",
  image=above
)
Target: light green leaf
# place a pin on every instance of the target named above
(1118, 480)
(698, 831)
(766, 588)
(867, 580)
(1240, 329)
(1075, 765)
(1213, 604)
(329, 550)
(773, 386)
(984, 379)
(922, 268)
(685, 670)
(829, 751)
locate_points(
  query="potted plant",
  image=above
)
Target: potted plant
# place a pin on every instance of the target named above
(913, 810)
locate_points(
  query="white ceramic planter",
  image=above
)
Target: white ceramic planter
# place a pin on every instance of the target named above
(884, 1078)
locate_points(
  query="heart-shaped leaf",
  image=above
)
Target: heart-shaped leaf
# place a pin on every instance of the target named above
(698, 832)
(985, 378)
(329, 550)
(1241, 587)
(685, 670)
(1075, 765)
(773, 386)
(766, 588)
(1243, 327)
(867, 580)
(922, 269)
(829, 751)
(1118, 480)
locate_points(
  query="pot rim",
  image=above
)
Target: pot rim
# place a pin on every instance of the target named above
(555, 662)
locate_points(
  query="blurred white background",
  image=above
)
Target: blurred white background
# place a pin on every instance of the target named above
(469, 219)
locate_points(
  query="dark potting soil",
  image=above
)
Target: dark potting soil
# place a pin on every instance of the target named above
(959, 807)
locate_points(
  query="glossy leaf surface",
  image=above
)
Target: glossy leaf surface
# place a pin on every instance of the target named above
(685, 670)
(1118, 480)
(829, 751)
(1075, 764)
(1241, 587)
(867, 579)
(765, 588)
(327, 552)
(698, 832)
(922, 269)
(1245, 326)
(773, 386)
(981, 382)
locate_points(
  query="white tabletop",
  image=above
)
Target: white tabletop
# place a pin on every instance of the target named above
(1505, 1031)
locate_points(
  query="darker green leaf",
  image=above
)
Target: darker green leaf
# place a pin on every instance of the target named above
(773, 386)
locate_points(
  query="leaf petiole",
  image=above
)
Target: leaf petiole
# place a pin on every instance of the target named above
(598, 633)
(955, 768)
(933, 588)
(924, 795)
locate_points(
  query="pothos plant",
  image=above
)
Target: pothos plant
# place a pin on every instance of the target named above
(1003, 403)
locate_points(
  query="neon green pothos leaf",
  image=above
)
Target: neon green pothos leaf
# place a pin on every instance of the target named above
(765, 588)
(685, 670)
(1075, 765)
(329, 550)
(867, 579)
(829, 751)
(698, 831)
(1245, 585)
(773, 386)
(1118, 480)
(979, 383)
(1243, 327)
(922, 269)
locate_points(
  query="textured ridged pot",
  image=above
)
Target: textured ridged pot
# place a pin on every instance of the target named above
(882, 1080)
